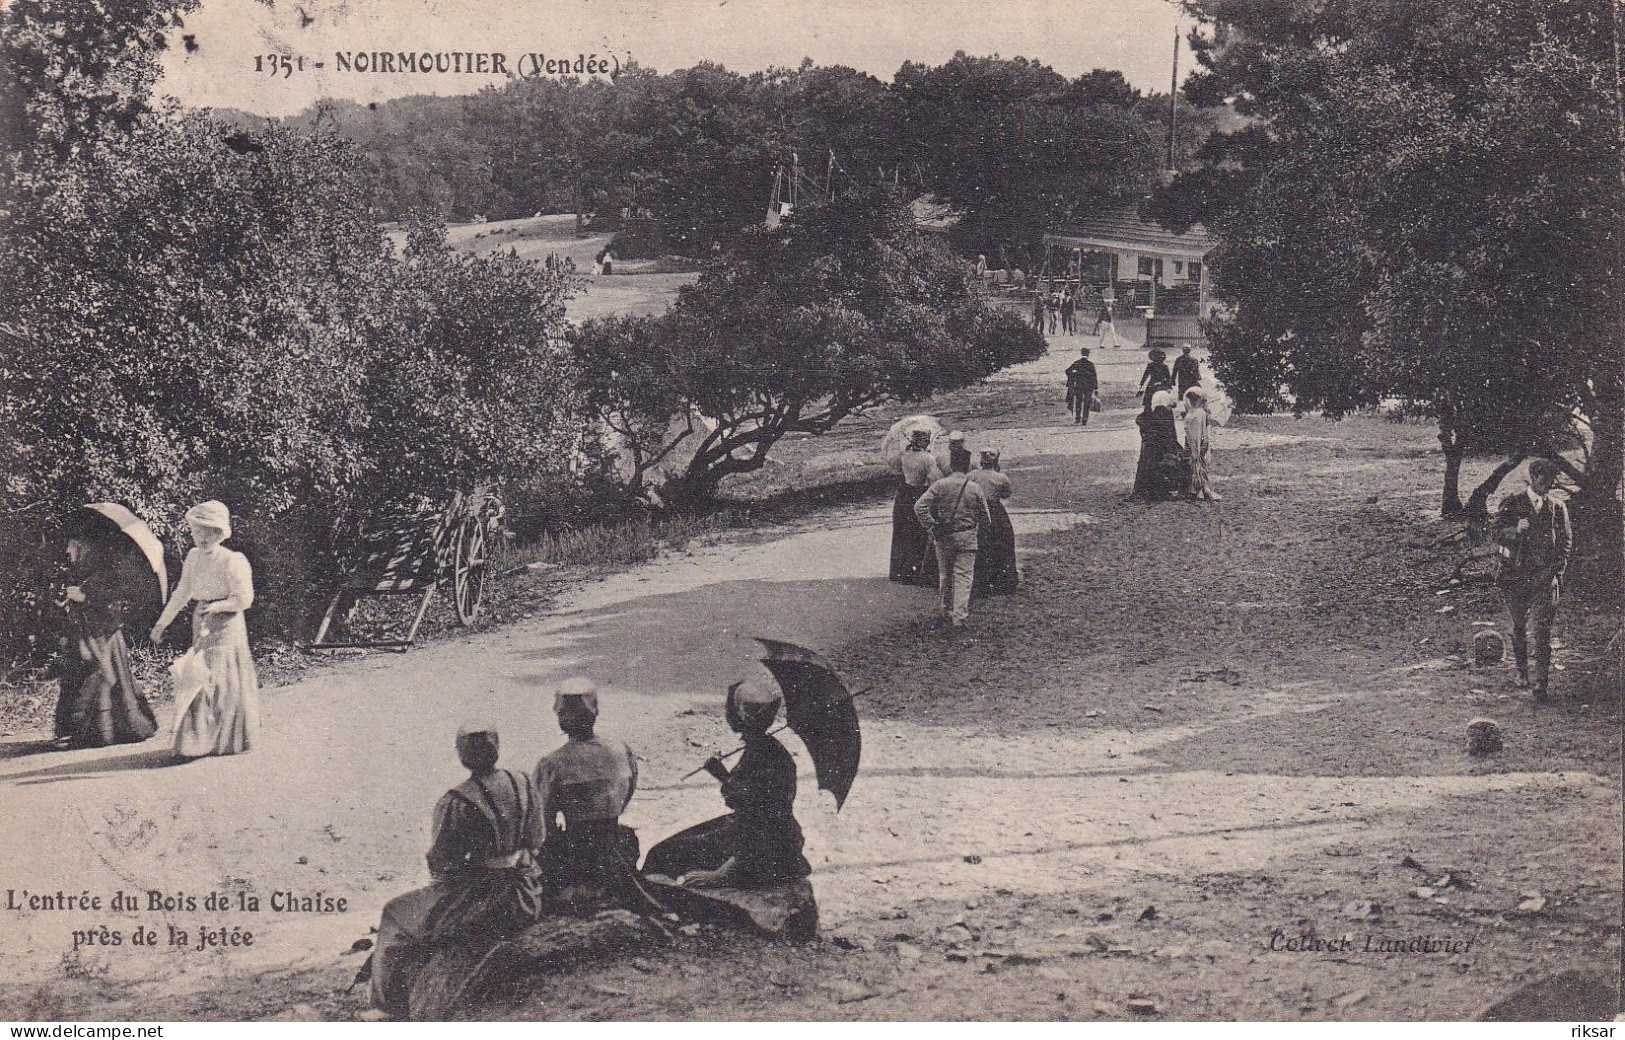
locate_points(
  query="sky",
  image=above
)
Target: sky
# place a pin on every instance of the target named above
(217, 68)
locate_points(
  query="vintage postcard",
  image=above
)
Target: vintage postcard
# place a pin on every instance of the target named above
(743, 510)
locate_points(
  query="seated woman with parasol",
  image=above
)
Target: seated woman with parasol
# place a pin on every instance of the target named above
(758, 844)
(116, 570)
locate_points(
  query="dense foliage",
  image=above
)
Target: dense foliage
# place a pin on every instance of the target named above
(1426, 206)
(1012, 145)
(192, 313)
(842, 307)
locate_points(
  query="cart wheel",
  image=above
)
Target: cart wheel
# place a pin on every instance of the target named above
(468, 578)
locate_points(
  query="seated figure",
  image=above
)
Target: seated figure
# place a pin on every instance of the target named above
(758, 844)
(587, 856)
(486, 885)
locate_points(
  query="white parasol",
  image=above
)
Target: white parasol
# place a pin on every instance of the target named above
(1218, 402)
(190, 674)
(139, 533)
(897, 438)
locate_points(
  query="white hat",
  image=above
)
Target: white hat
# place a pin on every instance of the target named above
(211, 514)
(580, 690)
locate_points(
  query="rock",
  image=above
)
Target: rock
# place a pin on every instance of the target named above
(1142, 1006)
(1362, 910)
(1148, 914)
(1348, 1000)
(1483, 737)
(1566, 996)
(1532, 905)
(297, 1013)
(1103, 1008)
(908, 952)
(1488, 648)
(607, 991)
(847, 992)
(1422, 893)
(973, 859)
(455, 974)
(782, 912)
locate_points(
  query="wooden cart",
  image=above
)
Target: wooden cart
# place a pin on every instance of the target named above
(410, 549)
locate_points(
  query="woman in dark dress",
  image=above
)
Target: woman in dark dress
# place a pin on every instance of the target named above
(1155, 377)
(912, 560)
(111, 583)
(758, 844)
(1161, 471)
(996, 573)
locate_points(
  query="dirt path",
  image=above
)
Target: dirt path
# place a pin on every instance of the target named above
(1242, 716)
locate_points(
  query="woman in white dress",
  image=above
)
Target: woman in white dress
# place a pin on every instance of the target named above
(1198, 442)
(223, 718)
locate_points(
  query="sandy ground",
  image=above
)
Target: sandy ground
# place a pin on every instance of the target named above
(1195, 732)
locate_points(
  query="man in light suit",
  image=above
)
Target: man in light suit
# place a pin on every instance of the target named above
(1536, 540)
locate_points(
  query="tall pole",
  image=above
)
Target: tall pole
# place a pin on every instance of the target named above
(1173, 101)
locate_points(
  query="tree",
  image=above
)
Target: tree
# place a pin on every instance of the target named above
(1017, 149)
(839, 309)
(1425, 206)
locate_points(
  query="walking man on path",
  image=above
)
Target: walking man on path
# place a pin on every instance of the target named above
(1187, 371)
(1535, 541)
(1082, 382)
(953, 510)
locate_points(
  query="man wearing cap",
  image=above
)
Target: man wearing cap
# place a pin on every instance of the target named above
(1082, 382)
(1536, 540)
(953, 510)
(583, 788)
(486, 884)
(758, 844)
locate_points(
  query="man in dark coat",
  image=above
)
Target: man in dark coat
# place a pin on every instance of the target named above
(1187, 371)
(1081, 384)
(1535, 539)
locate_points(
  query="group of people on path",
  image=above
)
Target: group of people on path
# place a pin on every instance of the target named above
(508, 849)
(1170, 399)
(951, 529)
(1056, 312)
(100, 703)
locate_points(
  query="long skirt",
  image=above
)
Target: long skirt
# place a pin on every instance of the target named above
(912, 560)
(1199, 485)
(224, 717)
(996, 573)
(478, 911)
(100, 703)
(764, 855)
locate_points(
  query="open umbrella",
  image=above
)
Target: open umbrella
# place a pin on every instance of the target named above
(819, 708)
(132, 527)
(896, 439)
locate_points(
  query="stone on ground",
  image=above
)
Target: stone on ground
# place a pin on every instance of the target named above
(1483, 737)
(786, 911)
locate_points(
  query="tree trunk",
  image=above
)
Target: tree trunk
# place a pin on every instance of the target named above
(1450, 442)
(1478, 503)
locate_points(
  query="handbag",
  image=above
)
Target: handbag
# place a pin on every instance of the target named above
(1094, 404)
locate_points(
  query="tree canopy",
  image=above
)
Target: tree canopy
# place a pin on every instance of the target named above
(842, 307)
(1425, 204)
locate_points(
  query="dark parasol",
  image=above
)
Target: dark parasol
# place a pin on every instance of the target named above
(820, 710)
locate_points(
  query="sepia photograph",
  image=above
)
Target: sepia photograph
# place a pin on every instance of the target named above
(1104, 511)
